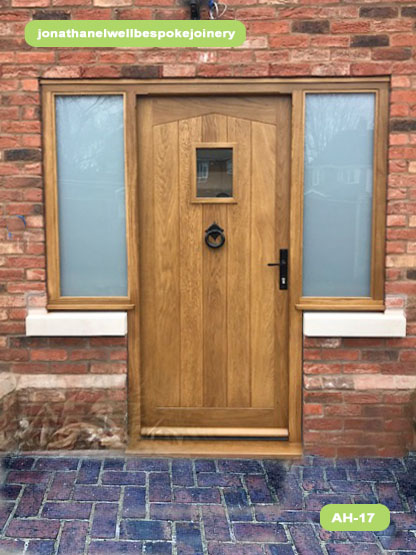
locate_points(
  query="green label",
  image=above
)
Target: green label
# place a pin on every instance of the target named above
(135, 34)
(355, 518)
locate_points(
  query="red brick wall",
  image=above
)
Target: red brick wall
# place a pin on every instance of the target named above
(298, 38)
(341, 418)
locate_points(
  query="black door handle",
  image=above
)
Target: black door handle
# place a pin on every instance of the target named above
(283, 264)
(212, 234)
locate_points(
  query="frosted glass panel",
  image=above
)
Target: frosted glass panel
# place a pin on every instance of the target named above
(338, 189)
(92, 223)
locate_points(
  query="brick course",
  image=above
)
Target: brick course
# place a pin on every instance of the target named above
(287, 39)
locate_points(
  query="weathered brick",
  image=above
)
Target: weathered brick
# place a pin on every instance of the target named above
(145, 530)
(22, 154)
(141, 72)
(51, 14)
(378, 13)
(311, 27)
(409, 11)
(20, 528)
(369, 40)
(403, 125)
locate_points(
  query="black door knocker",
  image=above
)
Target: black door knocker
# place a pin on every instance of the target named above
(214, 236)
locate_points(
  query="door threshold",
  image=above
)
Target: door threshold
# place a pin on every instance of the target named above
(214, 448)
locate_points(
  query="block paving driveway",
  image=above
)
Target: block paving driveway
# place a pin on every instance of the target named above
(89, 505)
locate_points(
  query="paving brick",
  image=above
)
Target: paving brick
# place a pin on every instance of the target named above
(218, 548)
(382, 464)
(350, 549)
(350, 487)
(56, 464)
(349, 464)
(389, 496)
(20, 528)
(30, 501)
(316, 502)
(73, 538)
(158, 548)
(97, 493)
(370, 476)
(114, 547)
(5, 511)
(160, 487)
(313, 473)
(114, 464)
(247, 531)
(317, 486)
(145, 530)
(11, 547)
(89, 471)
(279, 549)
(305, 539)
(28, 477)
(182, 472)
(237, 504)
(290, 494)
(205, 465)
(9, 491)
(217, 479)
(148, 464)
(40, 547)
(188, 538)
(124, 478)
(69, 510)
(174, 511)
(401, 540)
(18, 463)
(237, 466)
(273, 513)
(62, 486)
(215, 523)
(105, 520)
(196, 495)
(258, 489)
(134, 504)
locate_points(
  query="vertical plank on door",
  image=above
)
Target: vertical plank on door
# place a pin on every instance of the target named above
(214, 128)
(166, 255)
(238, 267)
(263, 278)
(283, 156)
(147, 270)
(190, 253)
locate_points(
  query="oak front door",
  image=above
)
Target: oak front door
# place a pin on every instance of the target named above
(214, 212)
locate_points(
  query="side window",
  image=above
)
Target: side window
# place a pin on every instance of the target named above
(338, 194)
(344, 182)
(89, 219)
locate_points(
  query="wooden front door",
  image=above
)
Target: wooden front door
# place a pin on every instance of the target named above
(214, 322)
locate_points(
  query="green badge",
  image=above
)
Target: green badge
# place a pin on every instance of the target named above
(135, 34)
(355, 518)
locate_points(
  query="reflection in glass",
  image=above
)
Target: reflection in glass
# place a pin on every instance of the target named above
(214, 172)
(338, 189)
(92, 223)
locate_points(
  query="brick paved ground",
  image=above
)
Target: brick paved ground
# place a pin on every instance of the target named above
(75, 505)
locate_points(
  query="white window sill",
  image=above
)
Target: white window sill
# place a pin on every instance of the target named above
(40, 322)
(391, 323)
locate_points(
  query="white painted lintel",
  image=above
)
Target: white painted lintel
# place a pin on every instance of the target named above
(391, 323)
(40, 322)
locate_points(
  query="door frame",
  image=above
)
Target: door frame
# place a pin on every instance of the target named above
(132, 91)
